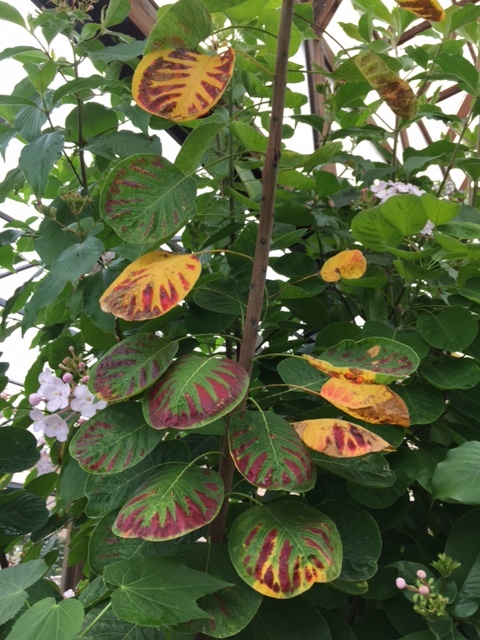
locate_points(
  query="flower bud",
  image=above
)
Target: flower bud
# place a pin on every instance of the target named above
(400, 582)
(34, 399)
(424, 590)
(67, 377)
(421, 574)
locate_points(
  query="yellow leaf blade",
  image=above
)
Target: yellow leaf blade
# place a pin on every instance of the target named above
(426, 9)
(350, 264)
(354, 374)
(339, 438)
(181, 84)
(151, 285)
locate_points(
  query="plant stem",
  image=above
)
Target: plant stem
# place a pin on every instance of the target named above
(264, 235)
(94, 622)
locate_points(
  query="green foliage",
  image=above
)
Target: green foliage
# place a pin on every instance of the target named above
(192, 504)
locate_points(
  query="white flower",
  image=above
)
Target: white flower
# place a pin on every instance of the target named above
(385, 190)
(56, 394)
(44, 466)
(70, 593)
(45, 379)
(428, 229)
(55, 427)
(85, 402)
(38, 418)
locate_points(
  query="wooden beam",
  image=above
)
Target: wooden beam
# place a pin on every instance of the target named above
(143, 14)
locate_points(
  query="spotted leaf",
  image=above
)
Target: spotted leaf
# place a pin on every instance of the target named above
(282, 549)
(268, 452)
(177, 500)
(146, 199)
(349, 264)
(195, 391)
(374, 403)
(368, 360)
(426, 9)
(114, 439)
(181, 84)
(131, 366)
(339, 438)
(395, 91)
(151, 285)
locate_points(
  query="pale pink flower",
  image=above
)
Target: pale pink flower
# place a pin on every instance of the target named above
(55, 427)
(67, 377)
(400, 582)
(34, 399)
(56, 394)
(385, 190)
(38, 418)
(69, 593)
(45, 379)
(85, 402)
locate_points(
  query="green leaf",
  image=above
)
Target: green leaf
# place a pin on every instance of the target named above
(49, 620)
(38, 157)
(222, 296)
(405, 213)
(453, 329)
(456, 478)
(13, 584)
(451, 373)
(177, 500)
(195, 391)
(78, 259)
(131, 366)
(10, 14)
(369, 471)
(110, 627)
(158, 591)
(117, 11)
(18, 451)
(196, 145)
(282, 549)
(95, 119)
(21, 512)
(371, 229)
(425, 404)
(123, 144)
(439, 211)
(17, 100)
(146, 198)
(79, 85)
(249, 137)
(115, 439)
(268, 452)
(121, 52)
(181, 25)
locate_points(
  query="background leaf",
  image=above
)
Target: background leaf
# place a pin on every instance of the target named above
(456, 478)
(18, 451)
(38, 157)
(49, 620)
(453, 329)
(182, 24)
(13, 584)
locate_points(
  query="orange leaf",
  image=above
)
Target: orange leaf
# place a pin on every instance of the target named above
(339, 438)
(349, 264)
(374, 403)
(395, 91)
(426, 9)
(181, 84)
(151, 285)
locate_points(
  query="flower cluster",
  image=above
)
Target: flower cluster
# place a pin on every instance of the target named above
(427, 601)
(385, 190)
(65, 402)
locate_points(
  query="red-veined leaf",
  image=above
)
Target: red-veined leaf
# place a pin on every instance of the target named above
(146, 199)
(373, 403)
(349, 264)
(339, 438)
(369, 360)
(131, 366)
(181, 84)
(282, 549)
(395, 91)
(151, 285)
(179, 499)
(268, 453)
(114, 439)
(426, 9)
(195, 391)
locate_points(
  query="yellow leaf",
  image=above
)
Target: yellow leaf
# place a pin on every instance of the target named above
(339, 438)
(353, 374)
(349, 264)
(426, 9)
(181, 84)
(151, 285)
(374, 403)
(395, 91)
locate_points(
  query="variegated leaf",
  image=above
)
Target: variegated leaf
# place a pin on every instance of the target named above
(426, 9)
(114, 439)
(339, 438)
(131, 366)
(368, 360)
(268, 452)
(177, 500)
(195, 391)
(146, 199)
(374, 403)
(282, 549)
(181, 84)
(349, 264)
(151, 285)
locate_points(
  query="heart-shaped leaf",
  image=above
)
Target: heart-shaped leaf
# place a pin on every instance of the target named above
(158, 591)
(146, 199)
(114, 439)
(426, 9)
(49, 619)
(181, 84)
(177, 500)
(195, 391)
(349, 264)
(339, 438)
(373, 403)
(369, 360)
(268, 453)
(151, 285)
(282, 549)
(131, 366)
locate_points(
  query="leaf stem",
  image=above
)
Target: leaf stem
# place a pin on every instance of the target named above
(95, 620)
